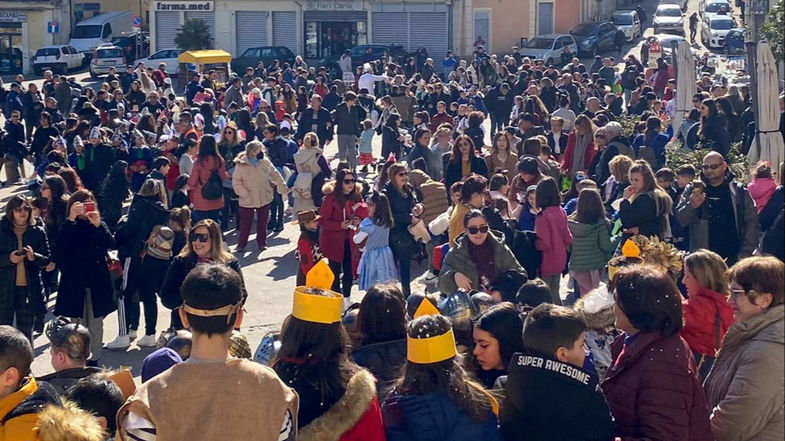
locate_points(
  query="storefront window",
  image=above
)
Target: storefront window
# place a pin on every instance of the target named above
(329, 38)
(10, 48)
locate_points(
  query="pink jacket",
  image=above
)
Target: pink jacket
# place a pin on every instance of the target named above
(761, 190)
(553, 239)
(199, 176)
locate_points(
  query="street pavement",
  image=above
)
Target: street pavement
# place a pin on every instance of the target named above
(269, 275)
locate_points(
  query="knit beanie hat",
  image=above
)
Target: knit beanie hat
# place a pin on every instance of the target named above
(159, 245)
(158, 362)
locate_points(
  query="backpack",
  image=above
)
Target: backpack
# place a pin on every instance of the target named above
(212, 189)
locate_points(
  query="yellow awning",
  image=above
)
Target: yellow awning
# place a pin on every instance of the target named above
(205, 57)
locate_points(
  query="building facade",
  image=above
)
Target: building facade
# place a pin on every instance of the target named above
(82, 9)
(26, 26)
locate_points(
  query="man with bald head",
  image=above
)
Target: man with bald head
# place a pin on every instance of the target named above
(721, 217)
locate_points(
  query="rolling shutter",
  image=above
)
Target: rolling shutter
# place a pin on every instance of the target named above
(285, 29)
(391, 28)
(207, 17)
(166, 24)
(251, 30)
(429, 30)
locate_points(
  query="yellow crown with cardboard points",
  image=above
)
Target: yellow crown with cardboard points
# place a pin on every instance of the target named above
(316, 302)
(431, 349)
(631, 254)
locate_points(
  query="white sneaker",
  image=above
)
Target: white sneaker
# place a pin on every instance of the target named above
(132, 334)
(430, 277)
(121, 342)
(147, 341)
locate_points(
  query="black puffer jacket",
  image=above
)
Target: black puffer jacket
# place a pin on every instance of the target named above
(35, 237)
(384, 360)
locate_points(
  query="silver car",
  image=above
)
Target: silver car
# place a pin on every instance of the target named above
(668, 18)
(549, 47)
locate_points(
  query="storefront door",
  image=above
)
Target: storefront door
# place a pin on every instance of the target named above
(329, 38)
(10, 48)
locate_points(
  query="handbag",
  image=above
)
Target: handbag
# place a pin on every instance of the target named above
(213, 188)
(419, 232)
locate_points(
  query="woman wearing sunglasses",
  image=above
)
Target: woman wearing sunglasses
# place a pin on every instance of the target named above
(463, 162)
(205, 244)
(477, 258)
(341, 212)
(405, 209)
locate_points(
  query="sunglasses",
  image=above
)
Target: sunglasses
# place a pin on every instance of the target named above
(228, 132)
(403, 174)
(481, 229)
(199, 237)
(711, 166)
(23, 209)
(349, 181)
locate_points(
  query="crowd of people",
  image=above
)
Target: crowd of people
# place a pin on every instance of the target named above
(570, 262)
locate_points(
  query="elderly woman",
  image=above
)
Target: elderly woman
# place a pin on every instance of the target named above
(745, 387)
(477, 258)
(652, 387)
(253, 180)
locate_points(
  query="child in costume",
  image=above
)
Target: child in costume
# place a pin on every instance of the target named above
(377, 264)
(308, 252)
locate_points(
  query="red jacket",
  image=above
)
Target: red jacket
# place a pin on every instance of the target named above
(553, 239)
(700, 321)
(654, 392)
(332, 237)
(370, 427)
(569, 151)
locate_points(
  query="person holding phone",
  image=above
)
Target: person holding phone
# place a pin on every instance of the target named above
(86, 294)
(24, 252)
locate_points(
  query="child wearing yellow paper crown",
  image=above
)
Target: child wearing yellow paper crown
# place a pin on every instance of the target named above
(337, 398)
(435, 397)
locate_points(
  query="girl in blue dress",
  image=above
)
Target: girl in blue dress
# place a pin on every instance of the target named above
(376, 264)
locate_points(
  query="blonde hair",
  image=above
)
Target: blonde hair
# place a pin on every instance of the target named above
(311, 140)
(620, 166)
(252, 148)
(709, 269)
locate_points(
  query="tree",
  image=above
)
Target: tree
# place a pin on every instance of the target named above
(773, 30)
(194, 35)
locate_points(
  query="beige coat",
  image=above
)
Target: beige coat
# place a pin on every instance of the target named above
(744, 390)
(253, 184)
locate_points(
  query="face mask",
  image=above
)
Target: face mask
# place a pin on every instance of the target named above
(260, 155)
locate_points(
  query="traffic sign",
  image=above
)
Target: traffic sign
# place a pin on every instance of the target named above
(53, 27)
(137, 21)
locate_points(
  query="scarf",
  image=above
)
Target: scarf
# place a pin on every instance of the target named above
(80, 161)
(581, 143)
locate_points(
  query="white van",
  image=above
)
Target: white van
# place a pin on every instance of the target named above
(93, 32)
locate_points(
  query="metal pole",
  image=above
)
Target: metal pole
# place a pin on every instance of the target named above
(752, 57)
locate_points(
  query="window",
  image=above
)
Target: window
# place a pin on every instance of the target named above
(87, 31)
(46, 52)
(268, 53)
(107, 31)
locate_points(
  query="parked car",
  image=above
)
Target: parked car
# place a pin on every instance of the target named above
(682, 3)
(98, 30)
(105, 58)
(734, 42)
(266, 54)
(666, 41)
(629, 22)
(59, 59)
(714, 7)
(362, 54)
(714, 28)
(593, 37)
(168, 56)
(134, 44)
(668, 18)
(549, 47)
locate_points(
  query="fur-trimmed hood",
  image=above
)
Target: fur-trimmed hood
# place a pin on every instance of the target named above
(346, 413)
(329, 187)
(602, 320)
(67, 423)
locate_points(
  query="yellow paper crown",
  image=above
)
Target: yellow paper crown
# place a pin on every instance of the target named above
(315, 302)
(431, 349)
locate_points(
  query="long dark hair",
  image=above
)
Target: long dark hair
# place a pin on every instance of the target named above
(209, 148)
(456, 155)
(382, 216)
(653, 128)
(382, 315)
(590, 209)
(446, 376)
(353, 196)
(115, 185)
(505, 324)
(712, 106)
